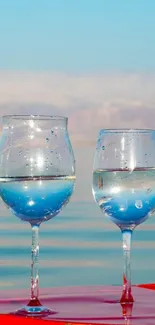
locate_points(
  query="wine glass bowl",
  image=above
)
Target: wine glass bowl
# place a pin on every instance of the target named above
(126, 196)
(37, 177)
(124, 184)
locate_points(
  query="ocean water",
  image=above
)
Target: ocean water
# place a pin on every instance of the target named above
(78, 247)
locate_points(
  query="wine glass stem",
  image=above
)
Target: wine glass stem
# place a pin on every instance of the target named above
(127, 295)
(34, 264)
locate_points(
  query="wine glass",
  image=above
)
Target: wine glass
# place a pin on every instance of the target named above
(37, 176)
(124, 184)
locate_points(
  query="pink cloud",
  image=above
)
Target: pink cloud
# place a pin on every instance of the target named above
(90, 101)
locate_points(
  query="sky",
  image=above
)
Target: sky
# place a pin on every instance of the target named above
(81, 36)
(92, 60)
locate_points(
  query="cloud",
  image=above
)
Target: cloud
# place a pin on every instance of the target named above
(90, 101)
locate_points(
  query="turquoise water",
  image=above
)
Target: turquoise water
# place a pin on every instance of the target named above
(77, 247)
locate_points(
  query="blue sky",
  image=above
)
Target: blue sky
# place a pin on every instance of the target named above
(77, 35)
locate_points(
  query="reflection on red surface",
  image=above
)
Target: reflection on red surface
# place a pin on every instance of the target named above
(86, 305)
(127, 310)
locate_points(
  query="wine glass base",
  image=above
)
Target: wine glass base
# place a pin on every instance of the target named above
(34, 311)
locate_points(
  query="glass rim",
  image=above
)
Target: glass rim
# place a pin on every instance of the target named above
(35, 117)
(127, 130)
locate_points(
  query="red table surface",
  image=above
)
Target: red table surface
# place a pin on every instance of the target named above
(85, 305)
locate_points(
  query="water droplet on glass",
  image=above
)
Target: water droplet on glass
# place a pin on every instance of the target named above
(47, 139)
(20, 152)
(149, 190)
(51, 151)
(103, 147)
(138, 204)
(47, 168)
(52, 132)
(27, 165)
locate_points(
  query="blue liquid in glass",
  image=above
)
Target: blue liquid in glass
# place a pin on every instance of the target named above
(126, 197)
(36, 199)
